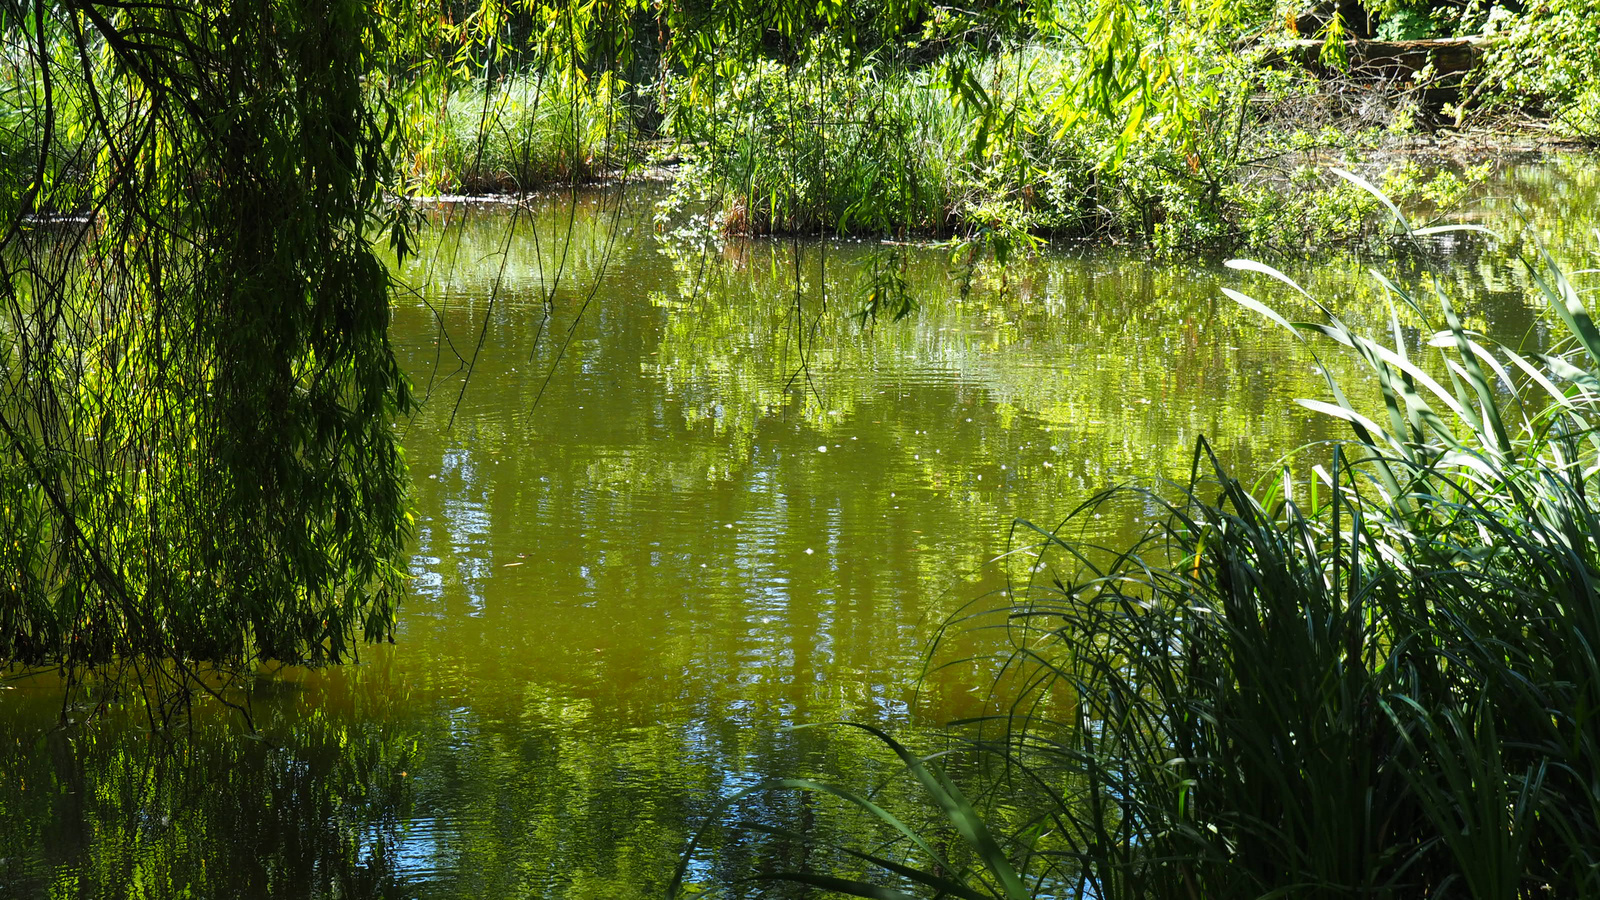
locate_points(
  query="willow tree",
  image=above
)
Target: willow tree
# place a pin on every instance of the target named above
(197, 394)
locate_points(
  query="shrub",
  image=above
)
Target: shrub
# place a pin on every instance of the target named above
(1542, 60)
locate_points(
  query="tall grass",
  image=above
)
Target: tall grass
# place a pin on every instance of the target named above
(996, 150)
(1376, 679)
(857, 147)
(524, 132)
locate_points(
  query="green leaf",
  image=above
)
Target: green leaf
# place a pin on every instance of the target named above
(1383, 198)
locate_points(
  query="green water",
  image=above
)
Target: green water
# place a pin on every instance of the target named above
(672, 499)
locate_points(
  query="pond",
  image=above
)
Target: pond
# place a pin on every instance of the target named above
(673, 498)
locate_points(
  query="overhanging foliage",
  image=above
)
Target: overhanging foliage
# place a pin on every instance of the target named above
(196, 388)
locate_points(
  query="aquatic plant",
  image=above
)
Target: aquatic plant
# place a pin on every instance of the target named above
(1373, 680)
(523, 132)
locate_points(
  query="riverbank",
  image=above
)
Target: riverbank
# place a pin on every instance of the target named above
(824, 148)
(1429, 174)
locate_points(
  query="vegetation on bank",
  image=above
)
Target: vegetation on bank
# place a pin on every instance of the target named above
(1189, 127)
(522, 132)
(1195, 127)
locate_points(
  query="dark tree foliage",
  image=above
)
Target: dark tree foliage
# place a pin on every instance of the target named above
(197, 394)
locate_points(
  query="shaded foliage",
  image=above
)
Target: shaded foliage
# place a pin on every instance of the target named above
(197, 460)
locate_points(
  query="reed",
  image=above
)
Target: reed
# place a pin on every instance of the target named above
(524, 132)
(1374, 682)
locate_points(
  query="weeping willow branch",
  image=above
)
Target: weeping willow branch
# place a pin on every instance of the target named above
(197, 394)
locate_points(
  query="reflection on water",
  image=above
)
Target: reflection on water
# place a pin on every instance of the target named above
(669, 501)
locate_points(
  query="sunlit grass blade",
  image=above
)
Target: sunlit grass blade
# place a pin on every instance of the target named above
(1434, 230)
(1380, 196)
(1566, 303)
(1257, 306)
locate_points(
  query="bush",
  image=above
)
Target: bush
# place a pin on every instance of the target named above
(1542, 60)
(1001, 149)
